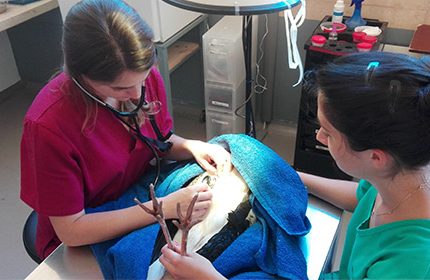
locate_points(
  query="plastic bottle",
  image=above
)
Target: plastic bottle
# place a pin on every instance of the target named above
(338, 10)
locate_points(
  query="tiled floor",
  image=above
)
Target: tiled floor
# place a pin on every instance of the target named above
(15, 263)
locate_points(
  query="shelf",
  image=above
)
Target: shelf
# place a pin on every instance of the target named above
(174, 52)
(179, 52)
(16, 14)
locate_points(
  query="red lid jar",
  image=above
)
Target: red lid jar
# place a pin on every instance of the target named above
(318, 40)
(358, 36)
(364, 47)
(369, 39)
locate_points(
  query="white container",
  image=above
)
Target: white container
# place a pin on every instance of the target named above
(369, 30)
(218, 123)
(164, 19)
(223, 56)
(338, 11)
(223, 97)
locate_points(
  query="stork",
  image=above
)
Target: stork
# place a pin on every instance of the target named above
(230, 193)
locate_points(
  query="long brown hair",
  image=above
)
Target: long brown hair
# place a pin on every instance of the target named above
(103, 38)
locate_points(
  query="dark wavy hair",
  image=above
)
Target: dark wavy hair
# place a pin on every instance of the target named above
(379, 100)
(103, 38)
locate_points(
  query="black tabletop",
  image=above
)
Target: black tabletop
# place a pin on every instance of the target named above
(266, 7)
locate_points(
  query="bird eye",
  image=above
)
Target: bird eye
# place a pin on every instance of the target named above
(209, 180)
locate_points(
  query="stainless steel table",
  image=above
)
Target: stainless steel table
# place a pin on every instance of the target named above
(79, 262)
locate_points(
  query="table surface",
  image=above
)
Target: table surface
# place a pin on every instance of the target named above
(16, 14)
(80, 263)
(232, 8)
(400, 49)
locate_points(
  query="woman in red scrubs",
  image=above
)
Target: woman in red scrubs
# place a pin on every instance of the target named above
(85, 141)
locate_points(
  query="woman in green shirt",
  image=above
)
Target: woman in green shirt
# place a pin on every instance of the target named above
(378, 129)
(374, 113)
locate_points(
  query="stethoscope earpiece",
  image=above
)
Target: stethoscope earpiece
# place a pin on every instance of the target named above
(146, 107)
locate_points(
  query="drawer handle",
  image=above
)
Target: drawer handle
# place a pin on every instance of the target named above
(214, 44)
(221, 104)
(217, 52)
(219, 122)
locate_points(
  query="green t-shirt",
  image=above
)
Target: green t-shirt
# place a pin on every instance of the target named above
(399, 250)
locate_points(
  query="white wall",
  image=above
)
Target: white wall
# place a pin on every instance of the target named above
(164, 19)
(8, 71)
(398, 13)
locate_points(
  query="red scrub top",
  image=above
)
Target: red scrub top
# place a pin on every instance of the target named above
(67, 166)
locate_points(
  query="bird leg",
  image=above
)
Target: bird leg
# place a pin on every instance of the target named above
(186, 223)
(157, 212)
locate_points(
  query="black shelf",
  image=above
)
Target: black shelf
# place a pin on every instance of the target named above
(344, 44)
(310, 155)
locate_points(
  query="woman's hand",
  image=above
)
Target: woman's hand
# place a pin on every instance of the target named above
(193, 266)
(207, 155)
(184, 197)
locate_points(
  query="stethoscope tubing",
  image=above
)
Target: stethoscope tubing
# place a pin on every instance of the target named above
(140, 105)
(145, 140)
(136, 128)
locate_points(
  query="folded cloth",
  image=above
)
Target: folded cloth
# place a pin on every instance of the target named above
(268, 249)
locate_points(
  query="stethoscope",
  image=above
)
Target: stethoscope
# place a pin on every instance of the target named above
(149, 111)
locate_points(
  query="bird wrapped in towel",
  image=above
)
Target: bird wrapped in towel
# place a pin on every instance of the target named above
(269, 248)
(229, 215)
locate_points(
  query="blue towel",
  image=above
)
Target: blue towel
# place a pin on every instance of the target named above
(268, 249)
